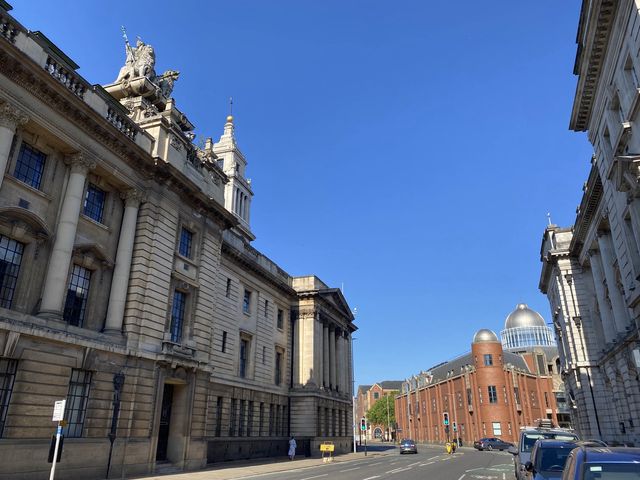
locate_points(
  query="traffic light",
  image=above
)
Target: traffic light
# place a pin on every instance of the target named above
(455, 427)
(445, 418)
(363, 424)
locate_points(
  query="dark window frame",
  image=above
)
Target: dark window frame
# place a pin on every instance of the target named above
(12, 251)
(95, 199)
(76, 406)
(492, 393)
(278, 366)
(185, 245)
(8, 369)
(243, 366)
(78, 289)
(488, 360)
(30, 166)
(178, 315)
(246, 301)
(280, 319)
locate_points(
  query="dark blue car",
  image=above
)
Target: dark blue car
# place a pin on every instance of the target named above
(602, 463)
(548, 458)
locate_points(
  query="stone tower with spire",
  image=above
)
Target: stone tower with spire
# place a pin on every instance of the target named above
(238, 193)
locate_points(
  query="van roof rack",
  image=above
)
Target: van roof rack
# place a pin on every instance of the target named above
(544, 423)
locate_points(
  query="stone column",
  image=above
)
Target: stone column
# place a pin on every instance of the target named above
(349, 366)
(606, 317)
(332, 357)
(10, 119)
(620, 313)
(340, 363)
(55, 282)
(325, 355)
(120, 280)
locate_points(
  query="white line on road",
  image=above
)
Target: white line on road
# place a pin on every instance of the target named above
(504, 476)
(377, 463)
(315, 476)
(412, 464)
(462, 476)
(393, 463)
(398, 470)
(349, 469)
(371, 478)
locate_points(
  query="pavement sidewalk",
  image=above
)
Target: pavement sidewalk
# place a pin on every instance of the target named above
(245, 468)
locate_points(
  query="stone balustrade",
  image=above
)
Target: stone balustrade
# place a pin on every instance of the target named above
(122, 123)
(8, 29)
(69, 79)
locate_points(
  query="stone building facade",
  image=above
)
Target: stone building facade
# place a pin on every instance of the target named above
(129, 286)
(591, 271)
(366, 397)
(488, 392)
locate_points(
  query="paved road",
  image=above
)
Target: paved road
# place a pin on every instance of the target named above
(430, 462)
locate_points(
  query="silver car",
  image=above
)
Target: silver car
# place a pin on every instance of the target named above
(528, 437)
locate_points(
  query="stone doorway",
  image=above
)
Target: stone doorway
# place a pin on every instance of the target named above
(165, 423)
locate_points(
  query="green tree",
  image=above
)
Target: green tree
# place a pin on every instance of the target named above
(383, 410)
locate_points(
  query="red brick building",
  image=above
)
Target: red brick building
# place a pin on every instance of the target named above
(486, 393)
(366, 398)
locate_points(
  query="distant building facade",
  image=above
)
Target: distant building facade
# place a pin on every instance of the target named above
(591, 271)
(525, 332)
(366, 398)
(490, 391)
(129, 286)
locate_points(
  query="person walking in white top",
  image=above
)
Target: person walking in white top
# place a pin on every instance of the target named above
(292, 448)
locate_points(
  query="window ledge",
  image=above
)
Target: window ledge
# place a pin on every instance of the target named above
(177, 349)
(93, 222)
(28, 187)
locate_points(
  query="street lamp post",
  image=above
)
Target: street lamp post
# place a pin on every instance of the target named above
(388, 422)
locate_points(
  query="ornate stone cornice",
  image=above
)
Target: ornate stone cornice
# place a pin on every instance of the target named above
(12, 117)
(596, 20)
(80, 163)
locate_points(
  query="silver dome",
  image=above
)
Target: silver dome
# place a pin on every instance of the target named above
(485, 335)
(523, 316)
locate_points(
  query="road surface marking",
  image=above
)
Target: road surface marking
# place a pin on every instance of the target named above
(377, 463)
(393, 463)
(315, 476)
(398, 470)
(412, 464)
(462, 476)
(371, 478)
(425, 464)
(349, 469)
(504, 476)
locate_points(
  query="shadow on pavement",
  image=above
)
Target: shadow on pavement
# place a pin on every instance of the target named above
(377, 447)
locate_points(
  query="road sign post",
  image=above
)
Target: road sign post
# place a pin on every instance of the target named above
(58, 416)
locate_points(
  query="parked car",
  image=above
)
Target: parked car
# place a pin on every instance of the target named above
(528, 437)
(591, 443)
(491, 444)
(408, 446)
(602, 463)
(548, 457)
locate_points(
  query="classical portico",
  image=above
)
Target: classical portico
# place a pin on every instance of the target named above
(322, 351)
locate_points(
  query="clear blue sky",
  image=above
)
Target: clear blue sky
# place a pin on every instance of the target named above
(409, 150)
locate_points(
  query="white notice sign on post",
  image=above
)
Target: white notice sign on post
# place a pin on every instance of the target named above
(58, 410)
